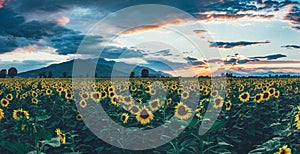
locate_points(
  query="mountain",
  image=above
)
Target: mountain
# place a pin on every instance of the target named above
(104, 68)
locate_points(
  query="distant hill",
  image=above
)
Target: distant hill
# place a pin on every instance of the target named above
(104, 68)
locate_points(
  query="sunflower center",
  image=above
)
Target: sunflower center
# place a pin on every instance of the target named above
(218, 101)
(257, 97)
(266, 95)
(96, 96)
(154, 104)
(244, 96)
(182, 110)
(144, 114)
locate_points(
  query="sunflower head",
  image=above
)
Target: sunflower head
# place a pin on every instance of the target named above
(244, 97)
(182, 111)
(258, 98)
(124, 118)
(218, 102)
(154, 105)
(4, 102)
(144, 116)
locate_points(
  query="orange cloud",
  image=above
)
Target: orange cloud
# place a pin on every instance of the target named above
(2, 2)
(154, 26)
(62, 21)
(206, 17)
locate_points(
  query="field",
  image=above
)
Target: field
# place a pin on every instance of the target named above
(254, 115)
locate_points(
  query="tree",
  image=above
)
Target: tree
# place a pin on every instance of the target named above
(64, 74)
(50, 75)
(41, 75)
(3, 73)
(12, 72)
(132, 74)
(145, 73)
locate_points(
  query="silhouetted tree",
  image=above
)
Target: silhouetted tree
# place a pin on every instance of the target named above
(3, 73)
(96, 75)
(12, 72)
(132, 74)
(145, 73)
(41, 75)
(64, 74)
(50, 75)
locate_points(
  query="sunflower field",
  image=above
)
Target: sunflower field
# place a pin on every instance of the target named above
(254, 115)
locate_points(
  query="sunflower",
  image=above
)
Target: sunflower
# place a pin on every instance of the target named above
(69, 95)
(179, 91)
(182, 111)
(85, 95)
(244, 97)
(96, 96)
(266, 95)
(9, 97)
(133, 88)
(205, 92)
(258, 98)
(18, 114)
(277, 94)
(241, 88)
(1, 114)
(124, 118)
(103, 94)
(4, 102)
(154, 105)
(34, 94)
(152, 92)
(79, 117)
(83, 103)
(169, 101)
(214, 93)
(272, 91)
(48, 92)
(127, 100)
(34, 101)
(228, 105)
(218, 102)
(114, 101)
(185, 95)
(134, 109)
(201, 109)
(144, 116)
(284, 150)
(112, 94)
(61, 136)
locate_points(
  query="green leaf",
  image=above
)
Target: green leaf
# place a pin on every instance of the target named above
(217, 125)
(43, 118)
(44, 135)
(54, 142)
(14, 147)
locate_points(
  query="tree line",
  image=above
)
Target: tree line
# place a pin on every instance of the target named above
(12, 72)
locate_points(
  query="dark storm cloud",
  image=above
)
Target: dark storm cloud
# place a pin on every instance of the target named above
(16, 32)
(271, 57)
(195, 61)
(228, 45)
(163, 53)
(291, 46)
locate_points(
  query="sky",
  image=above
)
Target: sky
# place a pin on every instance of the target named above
(186, 38)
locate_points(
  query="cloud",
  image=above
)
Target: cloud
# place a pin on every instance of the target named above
(200, 31)
(62, 21)
(2, 3)
(271, 57)
(291, 46)
(293, 15)
(229, 45)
